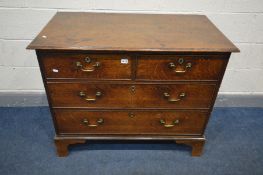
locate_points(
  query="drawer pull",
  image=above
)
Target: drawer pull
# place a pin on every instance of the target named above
(175, 122)
(168, 96)
(91, 69)
(176, 70)
(83, 95)
(86, 122)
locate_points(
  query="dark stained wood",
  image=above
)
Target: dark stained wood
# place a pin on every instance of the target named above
(157, 67)
(197, 145)
(67, 95)
(65, 66)
(131, 122)
(218, 86)
(130, 137)
(131, 96)
(152, 96)
(131, 32)
(45, 85)
(63, 141)
(62, 145)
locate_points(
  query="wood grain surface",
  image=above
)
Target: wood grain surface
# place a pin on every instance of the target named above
(131, 122)
(131, 95)
(165, 91)
(65, 66)
(131, 32)
(157, 67)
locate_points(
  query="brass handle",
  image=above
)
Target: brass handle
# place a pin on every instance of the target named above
(168, 96)
(86, 122)
(83, 95)
(81, 67)
(175, 122)
(174, 67)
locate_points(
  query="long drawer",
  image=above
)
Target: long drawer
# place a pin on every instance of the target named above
(90, 95)
(130, 122)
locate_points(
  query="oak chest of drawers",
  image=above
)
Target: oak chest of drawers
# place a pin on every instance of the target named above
(131, 76)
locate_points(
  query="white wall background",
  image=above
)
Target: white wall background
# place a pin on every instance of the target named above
(240, 20)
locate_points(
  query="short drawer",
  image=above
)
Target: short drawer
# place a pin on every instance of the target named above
(89, 95)
(130, 122)
(86, 66)
(173, 67)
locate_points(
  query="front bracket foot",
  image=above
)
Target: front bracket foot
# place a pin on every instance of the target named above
(197, 145)
(62, 145)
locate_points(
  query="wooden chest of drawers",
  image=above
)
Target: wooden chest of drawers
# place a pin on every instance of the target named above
(131, 76)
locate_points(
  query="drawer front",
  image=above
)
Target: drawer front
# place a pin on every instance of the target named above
(89, 66)
(89, 95)
(131, 95)
(169, 67)
(174, 96)
(132, 122)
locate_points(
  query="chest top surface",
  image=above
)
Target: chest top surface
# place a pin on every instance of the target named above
(131, 32)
